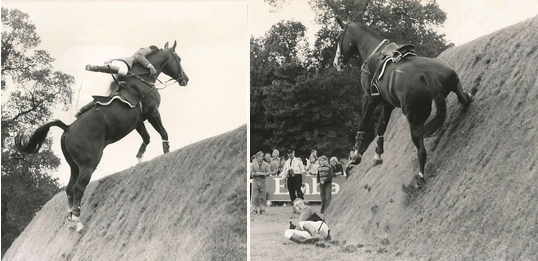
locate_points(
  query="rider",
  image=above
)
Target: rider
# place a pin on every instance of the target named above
(120, 67)
(311, 227)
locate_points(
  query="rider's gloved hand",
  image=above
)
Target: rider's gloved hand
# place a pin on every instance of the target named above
(152, 71)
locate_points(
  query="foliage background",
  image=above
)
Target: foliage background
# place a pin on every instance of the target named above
(31, 90)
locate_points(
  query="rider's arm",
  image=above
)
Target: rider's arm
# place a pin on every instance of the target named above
(140, 56)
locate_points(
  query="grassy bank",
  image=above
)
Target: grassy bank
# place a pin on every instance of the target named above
(190, 204)
(479, 200)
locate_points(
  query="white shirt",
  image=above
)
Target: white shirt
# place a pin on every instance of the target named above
(296, 164)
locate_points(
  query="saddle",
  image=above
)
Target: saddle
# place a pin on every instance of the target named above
(121, 93)
(378, 63)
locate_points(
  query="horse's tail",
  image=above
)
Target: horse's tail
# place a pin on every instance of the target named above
(32, 144)
(433, 126)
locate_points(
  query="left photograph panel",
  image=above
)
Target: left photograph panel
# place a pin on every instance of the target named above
(124, 130)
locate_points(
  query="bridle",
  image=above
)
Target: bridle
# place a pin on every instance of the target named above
(341, 45)
(180, 74)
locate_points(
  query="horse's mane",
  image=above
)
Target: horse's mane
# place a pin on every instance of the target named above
(368, 30)
(154, 52)
(149, 56)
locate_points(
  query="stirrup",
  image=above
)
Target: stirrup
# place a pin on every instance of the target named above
(374, 90)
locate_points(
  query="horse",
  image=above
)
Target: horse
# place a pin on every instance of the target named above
(410, 83)
(84, 140)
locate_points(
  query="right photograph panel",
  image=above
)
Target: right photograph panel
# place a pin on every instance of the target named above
(393, 130)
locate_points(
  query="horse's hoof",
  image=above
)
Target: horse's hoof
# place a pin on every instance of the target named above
(79, 227)
(470, 99)
(71, 227)
(419, 181)
(377, 162)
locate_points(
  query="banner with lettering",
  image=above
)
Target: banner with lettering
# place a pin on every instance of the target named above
(277, 192)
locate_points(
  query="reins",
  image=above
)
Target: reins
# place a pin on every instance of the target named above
(152, 84)
(353, 42)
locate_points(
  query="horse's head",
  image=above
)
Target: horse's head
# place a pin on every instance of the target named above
(346, 47)
(172, 66)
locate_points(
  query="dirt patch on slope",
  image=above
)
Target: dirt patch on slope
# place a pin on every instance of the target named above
(190, 204)
(480, 198)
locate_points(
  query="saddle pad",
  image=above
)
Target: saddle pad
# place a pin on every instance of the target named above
(391, 59)
(104, 100)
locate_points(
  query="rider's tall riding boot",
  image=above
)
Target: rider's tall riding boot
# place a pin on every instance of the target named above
(85, 108)
(107, 68)
(302, 240)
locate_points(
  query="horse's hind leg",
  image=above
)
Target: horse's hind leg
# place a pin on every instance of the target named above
(381, 128)
(464, 97)
(155, 120)
(421, 153)
(72, 178)
(78, 191)
(141, 129)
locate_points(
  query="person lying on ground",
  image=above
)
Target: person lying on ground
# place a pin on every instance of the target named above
(311, 228)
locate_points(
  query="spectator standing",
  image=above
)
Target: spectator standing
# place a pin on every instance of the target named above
(274, 164)
(281, 166)
(325, 177)
(293, 174)
(258, 171)
(267, 157)
(338, 167)
(312, 165)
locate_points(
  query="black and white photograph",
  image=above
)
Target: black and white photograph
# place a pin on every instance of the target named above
(269, 130)
(393, 130)
(124, 130)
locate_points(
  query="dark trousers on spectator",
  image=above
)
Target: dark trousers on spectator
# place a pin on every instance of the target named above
(325, 191)
(294, 187)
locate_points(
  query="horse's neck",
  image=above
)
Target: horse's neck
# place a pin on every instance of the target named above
(366, 42)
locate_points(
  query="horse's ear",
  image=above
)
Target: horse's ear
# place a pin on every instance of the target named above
(339, 21)
(166, 45)
(174, 46)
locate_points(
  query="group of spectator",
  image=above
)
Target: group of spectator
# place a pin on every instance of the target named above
(293, 170)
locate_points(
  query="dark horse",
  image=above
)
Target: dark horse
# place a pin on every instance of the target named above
(84, 140)
(411, 84)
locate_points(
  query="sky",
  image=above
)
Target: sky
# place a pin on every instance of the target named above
(212, 41)
(466, 19)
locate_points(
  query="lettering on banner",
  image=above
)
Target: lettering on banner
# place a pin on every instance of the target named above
(311, 184)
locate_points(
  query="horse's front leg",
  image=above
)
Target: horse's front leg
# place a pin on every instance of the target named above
(368, 107)
(155, 120)
(381, 128)
(141, 129)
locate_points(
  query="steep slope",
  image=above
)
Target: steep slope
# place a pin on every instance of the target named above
(190, 204)
(480, 198)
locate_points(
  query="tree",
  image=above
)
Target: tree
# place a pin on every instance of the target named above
(278, 56)
(316, 113)
(33, 90)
